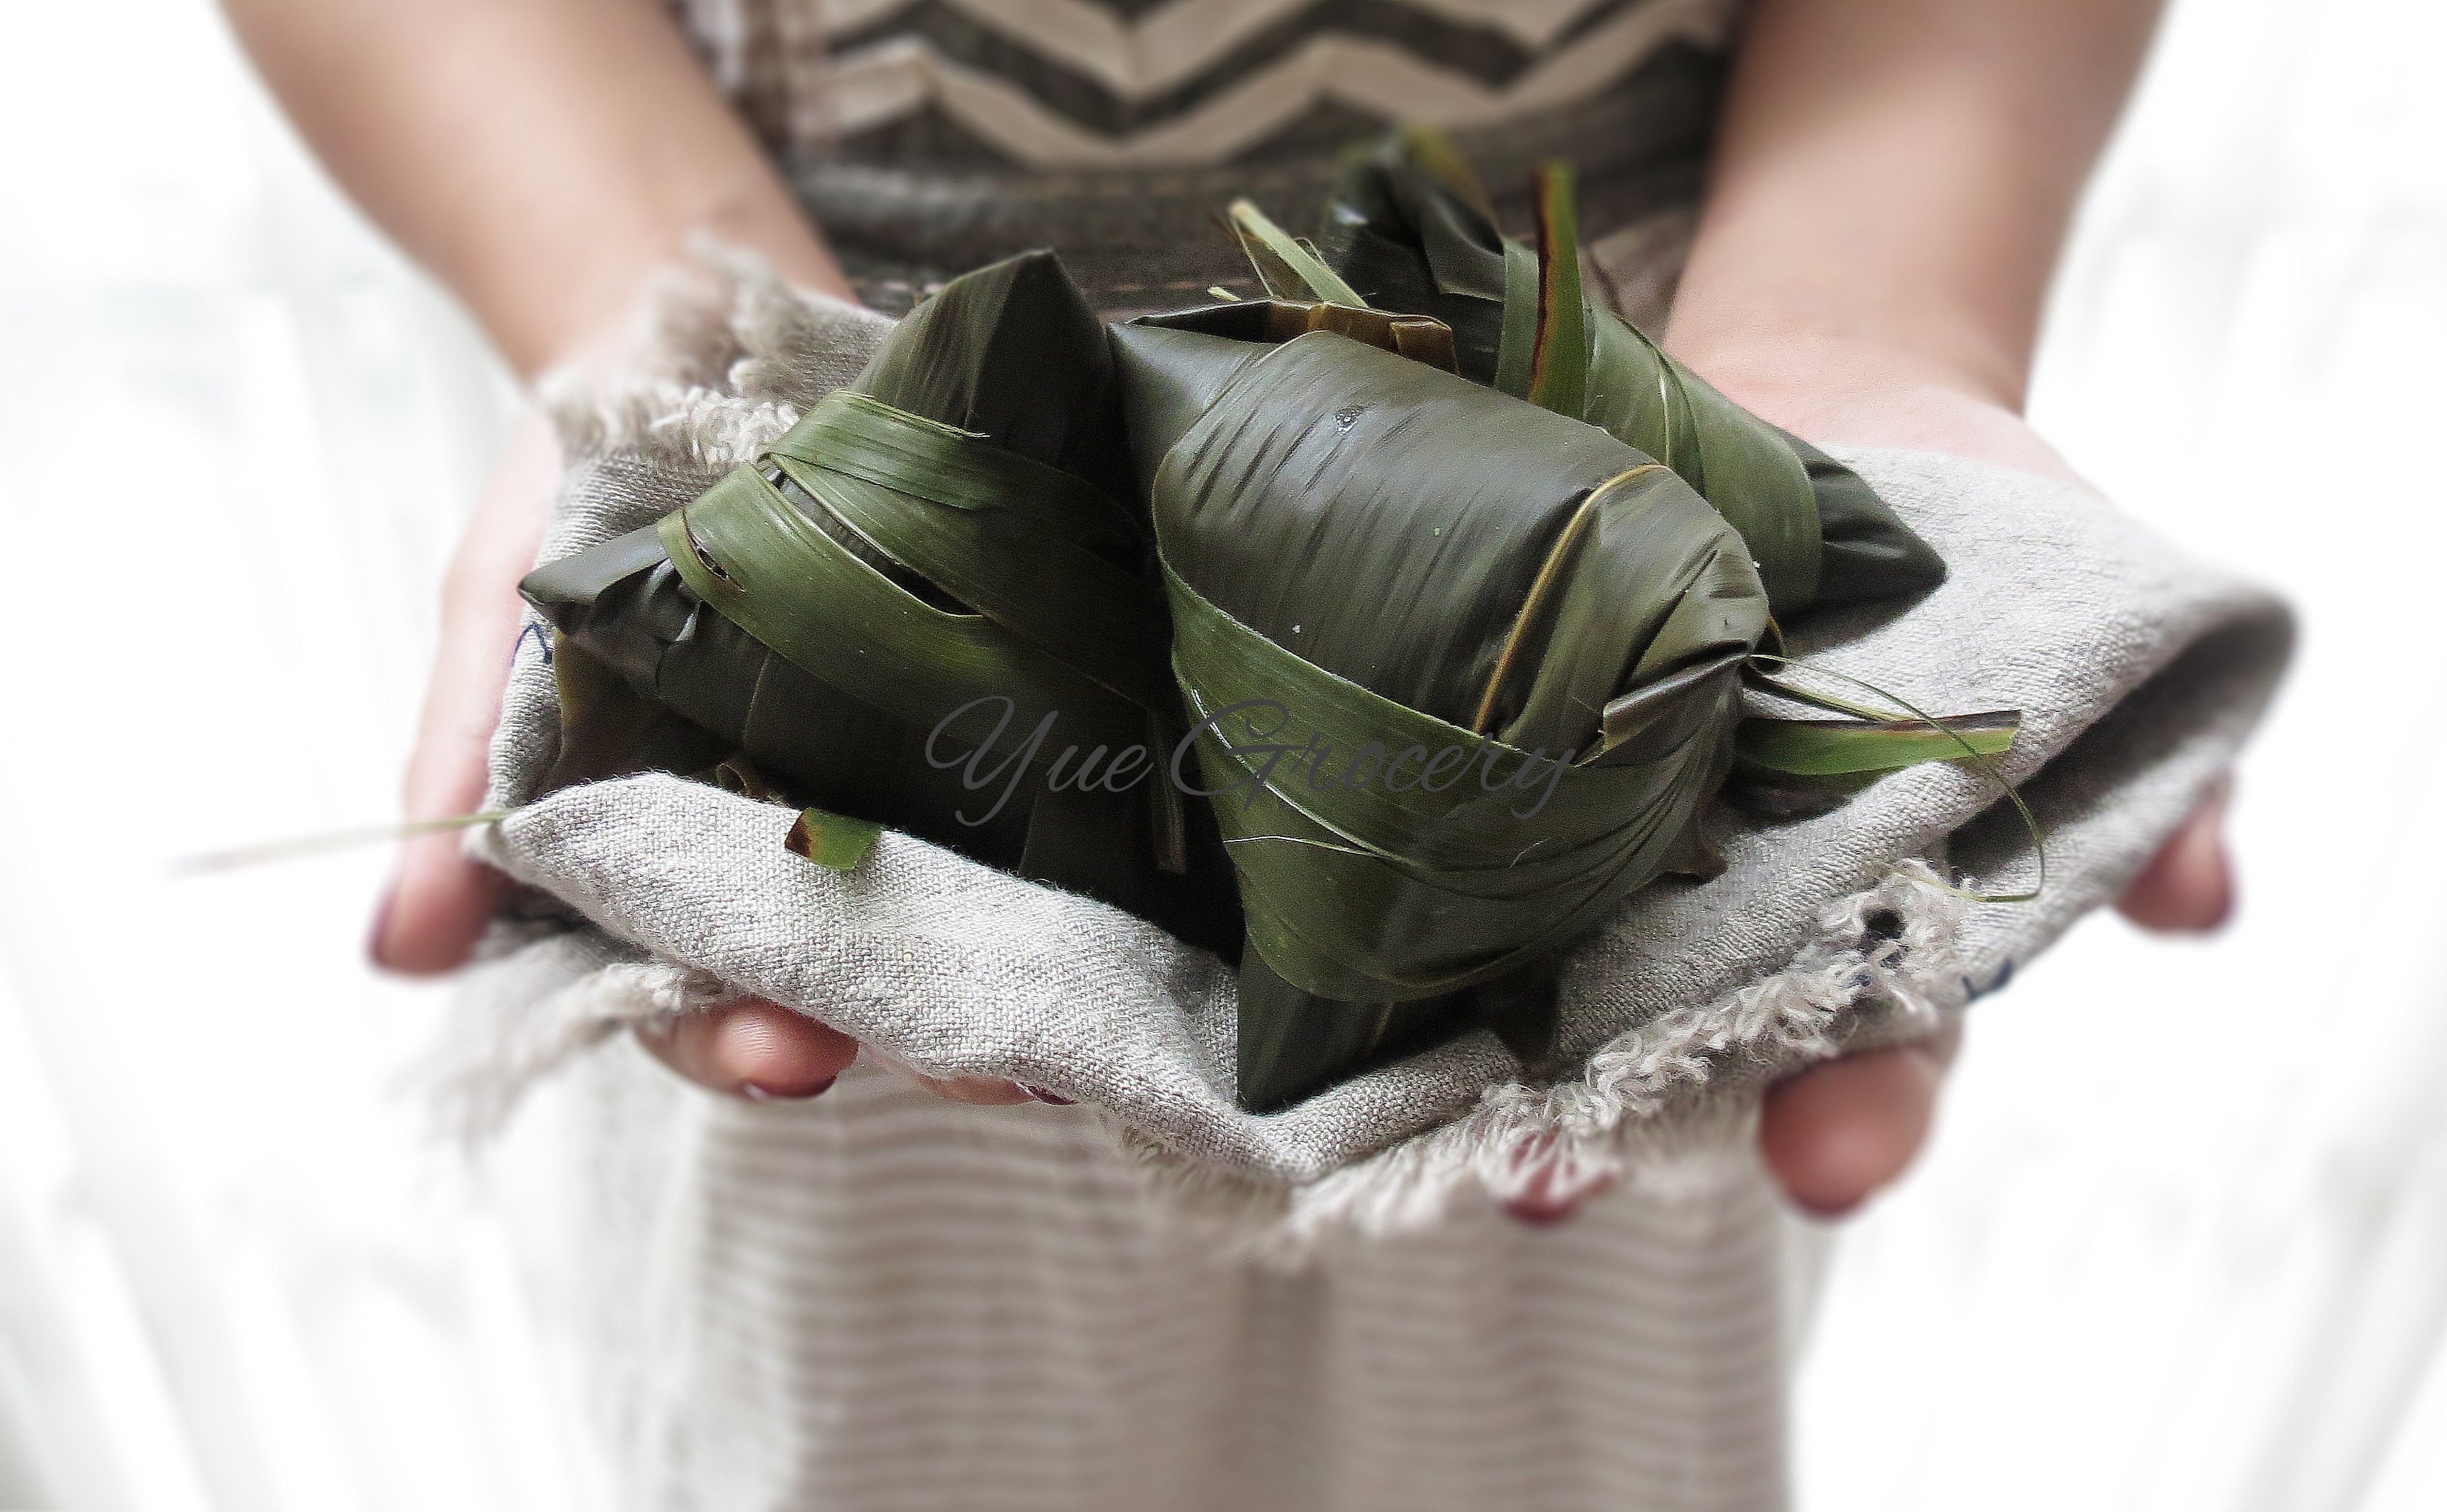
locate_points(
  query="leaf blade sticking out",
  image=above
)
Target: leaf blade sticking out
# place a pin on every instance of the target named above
(1558, 370)
(1829, 748)
(833, 841)
(1278, 255)
(1403, 223)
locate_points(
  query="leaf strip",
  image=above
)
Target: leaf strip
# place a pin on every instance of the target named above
(1276, 251)
(1324, 868)
(744, 549)
(1971, 754)
(1829, 748)
(1560, 369)
(1536, 605)
(1517, 350)
(849, 433)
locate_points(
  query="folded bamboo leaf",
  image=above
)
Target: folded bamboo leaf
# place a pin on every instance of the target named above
(1520, 636)
(751, 554)
(1410, 230)
(930, 566)
(609, 729)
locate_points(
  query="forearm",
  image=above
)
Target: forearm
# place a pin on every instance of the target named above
(542, 158)
(1893, 187)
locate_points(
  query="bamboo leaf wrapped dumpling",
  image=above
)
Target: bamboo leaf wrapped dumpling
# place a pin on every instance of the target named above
(931, 563)
(1465, 672)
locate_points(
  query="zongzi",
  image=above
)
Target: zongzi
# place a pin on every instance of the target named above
(918, 608)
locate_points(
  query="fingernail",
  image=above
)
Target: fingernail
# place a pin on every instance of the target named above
(756, 1093)
(1043, 1096)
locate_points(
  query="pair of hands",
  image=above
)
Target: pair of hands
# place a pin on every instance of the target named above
(1832, 1135)
(1891, 183)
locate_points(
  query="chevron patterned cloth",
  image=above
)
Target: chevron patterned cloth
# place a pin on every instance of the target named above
(929, 136)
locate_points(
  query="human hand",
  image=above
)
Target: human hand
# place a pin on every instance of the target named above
(1892, 182)
(1837, 1133)
(768, 1053)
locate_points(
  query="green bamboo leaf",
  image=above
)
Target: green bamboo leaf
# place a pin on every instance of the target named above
(858, 436)
(609, 729)
(744, 549)
(1820, 748)
(1411, 230)
(1741, 464)
(1443, 161)
(832, 840)
(1516, 362)
(929, 567)
(1559, 370)
(1969, 746)
(1381, 556)
(1282, 260)
(989, 529)
(1399, 228)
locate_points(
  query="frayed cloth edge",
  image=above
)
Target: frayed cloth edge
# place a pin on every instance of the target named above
(537, 999)
(716, 330)
(1659, 1107)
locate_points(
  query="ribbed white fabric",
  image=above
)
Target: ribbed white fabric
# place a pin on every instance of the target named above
(882, 1300)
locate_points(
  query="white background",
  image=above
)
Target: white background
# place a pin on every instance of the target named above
(2181, 1242)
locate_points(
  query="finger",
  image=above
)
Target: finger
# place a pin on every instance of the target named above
(440, 900)
(752, 1048)
(1838, 1132)
(2190, 884)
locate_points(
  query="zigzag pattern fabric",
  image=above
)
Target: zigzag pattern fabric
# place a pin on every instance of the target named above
(931, 136)
(1054, 84)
